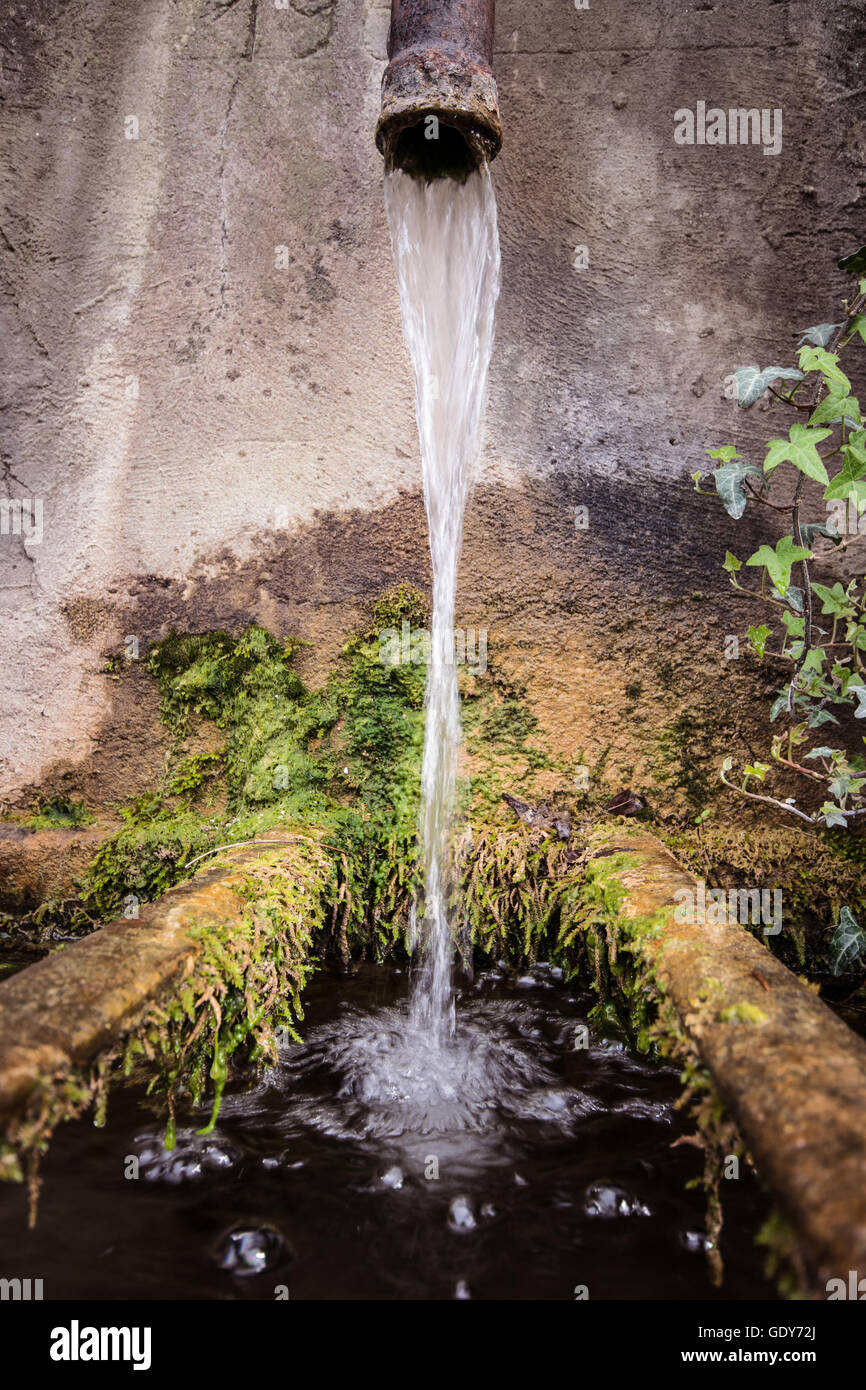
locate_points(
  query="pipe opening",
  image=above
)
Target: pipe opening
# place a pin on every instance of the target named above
(430, 149)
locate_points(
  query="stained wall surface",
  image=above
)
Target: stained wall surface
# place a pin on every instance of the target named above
(206, 388)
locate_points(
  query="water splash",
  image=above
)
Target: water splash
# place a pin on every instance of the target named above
(445, 242)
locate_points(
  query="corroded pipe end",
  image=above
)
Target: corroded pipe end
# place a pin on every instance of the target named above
(440, 111)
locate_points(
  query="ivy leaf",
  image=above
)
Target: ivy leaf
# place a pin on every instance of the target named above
(857, 325)
(822, 753)
(801, 449)
(725, 454)
(850, 490)
(779, 705)
(814, 659)
(855, 264)
(752, 382)
(793, 622)
(732, 564)
(843, 784)
(848, 943)
(831, 815)
(835, 600)
(849, 484)
(837, 406)
(758, 770)
(821, 716)
(850, 681)
(860, 692)
(780, 561)
(820, 528)
(820, 334)
(827, 363)
(729, 481)
(856, 447)
(794, 597)
(758, 637)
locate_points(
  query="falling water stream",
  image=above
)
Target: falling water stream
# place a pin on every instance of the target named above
(445, 242)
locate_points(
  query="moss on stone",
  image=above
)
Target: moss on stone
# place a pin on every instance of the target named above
(817, 872)
(743, 1013)
(345, 759)
(245, 987)
(59, 813)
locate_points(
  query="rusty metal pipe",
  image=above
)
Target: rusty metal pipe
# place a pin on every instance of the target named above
(440, 111)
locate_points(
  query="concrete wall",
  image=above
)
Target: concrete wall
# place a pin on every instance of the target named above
(217, 440)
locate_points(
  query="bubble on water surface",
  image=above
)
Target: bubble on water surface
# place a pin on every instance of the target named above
(461, 1217)
(608, 1201)
(696, 1242)
(245, 1252)
(191, 1158)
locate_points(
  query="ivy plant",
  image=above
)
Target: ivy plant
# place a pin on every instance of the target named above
(816, 631)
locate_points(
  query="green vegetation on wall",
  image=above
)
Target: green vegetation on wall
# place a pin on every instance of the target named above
(344, 759)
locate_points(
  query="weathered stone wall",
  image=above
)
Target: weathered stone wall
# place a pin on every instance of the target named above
(216, 440)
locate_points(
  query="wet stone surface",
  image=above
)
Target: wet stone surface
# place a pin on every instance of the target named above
(518, 1164)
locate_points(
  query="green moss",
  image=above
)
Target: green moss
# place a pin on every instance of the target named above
(345, 758)
(503, 745)
(817, 873)
(504, 896)
(743, 1013)
(247, 981)
(684, 759)
(621, 974)
(244, 988)
(60, 813)
(783, 1261)
(338, 771)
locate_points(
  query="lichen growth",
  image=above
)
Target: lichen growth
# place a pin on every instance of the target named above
(743, 1013)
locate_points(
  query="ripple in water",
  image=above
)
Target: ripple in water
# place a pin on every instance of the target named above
(391, 1077)
(374, 1076)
